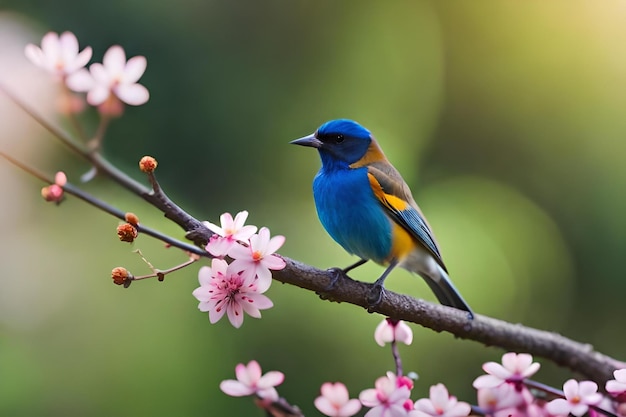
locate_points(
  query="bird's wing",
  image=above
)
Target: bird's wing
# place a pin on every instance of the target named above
(395, 197)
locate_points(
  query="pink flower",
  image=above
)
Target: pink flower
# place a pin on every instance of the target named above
(58, 54)
(390, 330)
(440, 404)
(502, 400)
(617, 387)
(578, 397)
(389, 398)
(115, 76)
(335, 401)
(231, 232)
(223, 290)
(258, 258)
(515, 368)
(250, 381)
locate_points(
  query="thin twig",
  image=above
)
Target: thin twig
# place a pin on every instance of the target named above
(107, 208)
(199, 233)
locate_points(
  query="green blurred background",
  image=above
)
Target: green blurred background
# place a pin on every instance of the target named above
(506, 119)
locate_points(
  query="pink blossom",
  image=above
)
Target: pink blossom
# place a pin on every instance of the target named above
(502, 400)
(115, 77)
(231, 232)
(440, 404)
(617, 387)
(390, 330)
(224, 290)
(250, 381)
(578, 397)
(389, 398)
(515, 368)
(335, 401)
(58, 54)
(257, 259)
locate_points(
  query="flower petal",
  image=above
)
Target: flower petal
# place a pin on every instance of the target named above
(350, 408)
(83, 57)
(216, 314)
(235, 388)
(403, 333)
(260, 301)
(268, 394)
(135, 67)
(324, 406)
(244, 233)
(273, 262)
(487, 381)
(369, 397)
(133, 94)
(214, 228)
(114, 60)
(240, 252)
(383, 333)
(98, 95)
(274, 244)
(234, 310)
(264, 278)
(240, 219)
(271, 379)
(80, 81)
(570, 388)
(205, 276)
(219, 246)
(558, 407)
(202, 294)
(497, 370)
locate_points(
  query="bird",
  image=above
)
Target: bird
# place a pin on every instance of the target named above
(368, 209)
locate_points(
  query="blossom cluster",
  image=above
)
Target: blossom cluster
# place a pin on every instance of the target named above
(108, 84)
(503, 391)
(238, 287)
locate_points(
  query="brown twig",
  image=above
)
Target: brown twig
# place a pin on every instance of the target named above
(107, 208)
(197, 232)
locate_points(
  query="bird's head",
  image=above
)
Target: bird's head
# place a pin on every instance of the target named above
(339, 142)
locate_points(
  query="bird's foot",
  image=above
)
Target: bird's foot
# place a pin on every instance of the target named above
(374, 297)
(336, 274)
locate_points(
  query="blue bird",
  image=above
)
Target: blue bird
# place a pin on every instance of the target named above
(365, 205)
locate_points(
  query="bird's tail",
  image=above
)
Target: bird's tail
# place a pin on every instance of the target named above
(445, 291)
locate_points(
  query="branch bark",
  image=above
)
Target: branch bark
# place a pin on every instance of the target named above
(579, 357)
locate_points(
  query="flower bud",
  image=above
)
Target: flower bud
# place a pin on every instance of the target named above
(126, 232)
(52, 192)
(121, 275)
(131, 218)
(147, 164)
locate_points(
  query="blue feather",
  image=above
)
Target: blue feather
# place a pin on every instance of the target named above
(351, 214)
(346, 127)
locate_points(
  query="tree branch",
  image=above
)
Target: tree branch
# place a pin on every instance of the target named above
(578, 357)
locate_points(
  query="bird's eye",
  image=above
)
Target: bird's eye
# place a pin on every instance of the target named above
(339, 138)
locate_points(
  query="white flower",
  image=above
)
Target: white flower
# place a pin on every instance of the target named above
(58, 54)
(114, 76)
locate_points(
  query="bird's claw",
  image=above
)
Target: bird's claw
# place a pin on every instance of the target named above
(374, 297)
(336, 275)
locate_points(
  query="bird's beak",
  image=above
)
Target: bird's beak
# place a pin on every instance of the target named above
(309, 140)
